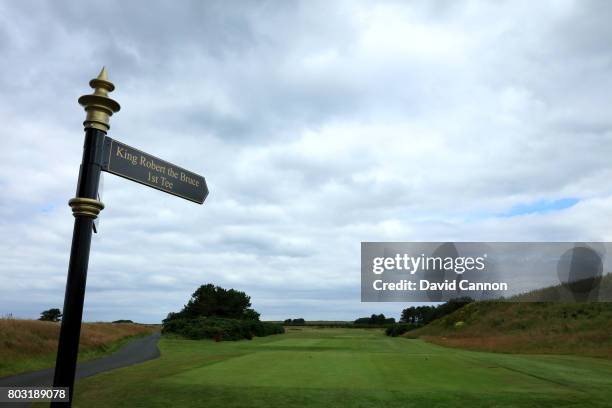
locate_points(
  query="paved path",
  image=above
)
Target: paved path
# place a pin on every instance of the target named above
(134, 352)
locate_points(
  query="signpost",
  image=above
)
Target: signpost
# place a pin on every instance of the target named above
(138, 166)
(101, 153)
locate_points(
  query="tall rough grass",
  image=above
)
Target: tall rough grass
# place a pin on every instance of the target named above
(32, 344)
(531, 328)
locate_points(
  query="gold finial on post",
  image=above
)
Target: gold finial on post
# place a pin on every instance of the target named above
(99, 106)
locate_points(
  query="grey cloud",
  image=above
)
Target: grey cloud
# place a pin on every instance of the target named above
(317, 125)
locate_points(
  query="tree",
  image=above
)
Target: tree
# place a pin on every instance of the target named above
(219, 314)
(51, 315)
(251, 314)
(375, 320)
(210, 300)
(295, 322)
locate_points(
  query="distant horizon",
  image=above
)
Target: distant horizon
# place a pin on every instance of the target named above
(390, 305)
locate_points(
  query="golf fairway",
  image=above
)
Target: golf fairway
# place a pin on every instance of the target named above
(310, 367)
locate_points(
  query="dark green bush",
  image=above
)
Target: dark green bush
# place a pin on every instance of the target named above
(397, 329)
(219, 328)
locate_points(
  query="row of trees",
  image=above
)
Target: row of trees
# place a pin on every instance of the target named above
(415, 317)
(375, 320)
(295, 322)
(55, 315)
(422, 315)
(209, 305)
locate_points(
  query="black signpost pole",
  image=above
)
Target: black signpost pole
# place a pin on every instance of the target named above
(85, 208)
(101, 153)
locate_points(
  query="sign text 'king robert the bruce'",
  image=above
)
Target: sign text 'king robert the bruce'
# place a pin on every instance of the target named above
(133, 164)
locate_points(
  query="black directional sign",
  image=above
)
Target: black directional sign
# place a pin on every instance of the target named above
(136, 165)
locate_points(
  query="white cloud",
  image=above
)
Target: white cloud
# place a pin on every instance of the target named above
(317, 125)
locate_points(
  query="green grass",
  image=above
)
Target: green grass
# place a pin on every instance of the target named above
(311, 367)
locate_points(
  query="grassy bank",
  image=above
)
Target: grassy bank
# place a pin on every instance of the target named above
(529, 328)
(27, 345)
(308, 367)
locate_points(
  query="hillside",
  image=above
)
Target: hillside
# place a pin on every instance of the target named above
(593, 289)
(536, 328)
(27, 345)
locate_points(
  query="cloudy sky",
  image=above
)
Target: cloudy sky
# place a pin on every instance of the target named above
(317, 125)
